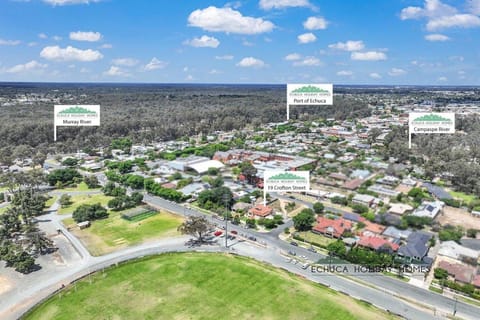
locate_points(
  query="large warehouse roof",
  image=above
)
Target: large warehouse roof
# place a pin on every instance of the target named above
(202, 167)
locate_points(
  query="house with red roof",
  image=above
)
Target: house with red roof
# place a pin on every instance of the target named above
(334, 228)
(377, 244)
(260, 211)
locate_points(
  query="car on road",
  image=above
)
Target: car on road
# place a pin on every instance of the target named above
(234, 232)
(305, 266)
(252, 238)
(293, 253)
(218, 233)
(311, 249)
(293, 243)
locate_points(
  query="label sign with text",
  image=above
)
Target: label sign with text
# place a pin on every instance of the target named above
(286, 181)
(77, 115)
(420, 122)
(309, 94)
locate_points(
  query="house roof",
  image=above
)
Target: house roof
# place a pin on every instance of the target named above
(202, 167)
(399, 208)
(336, 227)
(396, 233)
(338, 176)
(363, 198)
(416, 245)
(373, 227)
(261, 210)
(460, 272)
(376, 243)
(437, 191)
(428, 209)
(454, 250)
(353, 217)
(353, 184)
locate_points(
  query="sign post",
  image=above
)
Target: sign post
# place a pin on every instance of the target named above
(423, 122)
(308, 95)
(75, 116)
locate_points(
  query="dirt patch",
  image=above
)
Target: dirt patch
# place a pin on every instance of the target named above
(403, 188)
(458, 217)
(5, 285)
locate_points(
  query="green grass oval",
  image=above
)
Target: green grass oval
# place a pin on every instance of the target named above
(200, 286)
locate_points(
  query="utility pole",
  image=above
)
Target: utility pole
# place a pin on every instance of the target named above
(226, 201)
(455, 306)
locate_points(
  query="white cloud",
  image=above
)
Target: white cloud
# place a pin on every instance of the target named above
(106, 46)
(126, 62)
(315, 23)
(32, 44)
(247, 43)
(89, 36)
(9, 42)
(473, 6)
(280, 4)
(307, 62)
(443, 16)
(307, 38)
(350, 45)
(344, 73)
(436, 37)
(293, 57)
(115, 71)
(251, 62)
(70, 54)
(375, 75)
(155, 64)
(228, 20)
(42, 36)
(203, 42)
(189, 77)
(442, 79)
(394, 72)
(68, 2)
(368, 56)
(456, 21)
(29, 66)
(57, 38)
(225, 57)
(215, 71)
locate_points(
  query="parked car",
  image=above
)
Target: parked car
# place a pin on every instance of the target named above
(293, 253)
(217, 233)
(234, 232)
(293, 243)
(311, 249)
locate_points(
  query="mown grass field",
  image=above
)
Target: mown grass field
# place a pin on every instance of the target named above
(113, 233)
(78, 200)
(467, 198)
(200, 286)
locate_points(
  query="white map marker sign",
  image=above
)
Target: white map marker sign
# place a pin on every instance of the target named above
(308, 95)
(433, 122)
(285, 181)
(75, 116)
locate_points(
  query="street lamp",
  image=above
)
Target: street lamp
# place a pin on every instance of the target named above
(226, 201)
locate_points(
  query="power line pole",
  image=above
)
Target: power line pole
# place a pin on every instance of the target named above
(226, 200)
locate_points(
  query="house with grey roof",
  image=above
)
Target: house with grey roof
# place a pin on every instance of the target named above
(416, 247)
(429, 209)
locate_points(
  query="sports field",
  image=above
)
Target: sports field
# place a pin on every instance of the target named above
(114, 233)
(78, 200)
(200, 286)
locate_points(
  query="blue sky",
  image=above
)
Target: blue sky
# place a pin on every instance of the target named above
(251, 41)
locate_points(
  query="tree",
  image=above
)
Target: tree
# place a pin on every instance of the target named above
(64, 176)
(339, 200)
(65, 200)
(337, 248)
(70, 162)
(440, 273)
(249, 171)
(195, 226)
(318, 207)
(91, 181)
(251, 223)
(134, 181)
(213, 171)
(359, 208)
(304, 220)
(89, 212)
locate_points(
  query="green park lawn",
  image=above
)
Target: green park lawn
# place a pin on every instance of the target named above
(113, 233)
(78, 200)
(200, 286)
(463, 196)
(316, 239)
(50, 202)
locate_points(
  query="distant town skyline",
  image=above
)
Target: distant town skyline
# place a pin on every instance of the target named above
(397, 42)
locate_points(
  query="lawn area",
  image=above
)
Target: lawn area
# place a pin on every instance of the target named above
(314, 238)
(82, 186)
(113, 233)
(78, 200)
(50, 202)
(463, 196)
(193, 286)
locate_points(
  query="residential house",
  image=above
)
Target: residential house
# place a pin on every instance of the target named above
(416, 247)
(352, 184)
(459, 272)
(458, 252)
(399, 208)
(436, 191)
(334, 228)
(260, 211)
(364, 199)
(429, 209)
(378, 244)
(360, 174)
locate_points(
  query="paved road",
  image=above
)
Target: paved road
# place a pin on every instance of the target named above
(16, 303)
(388, 284)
